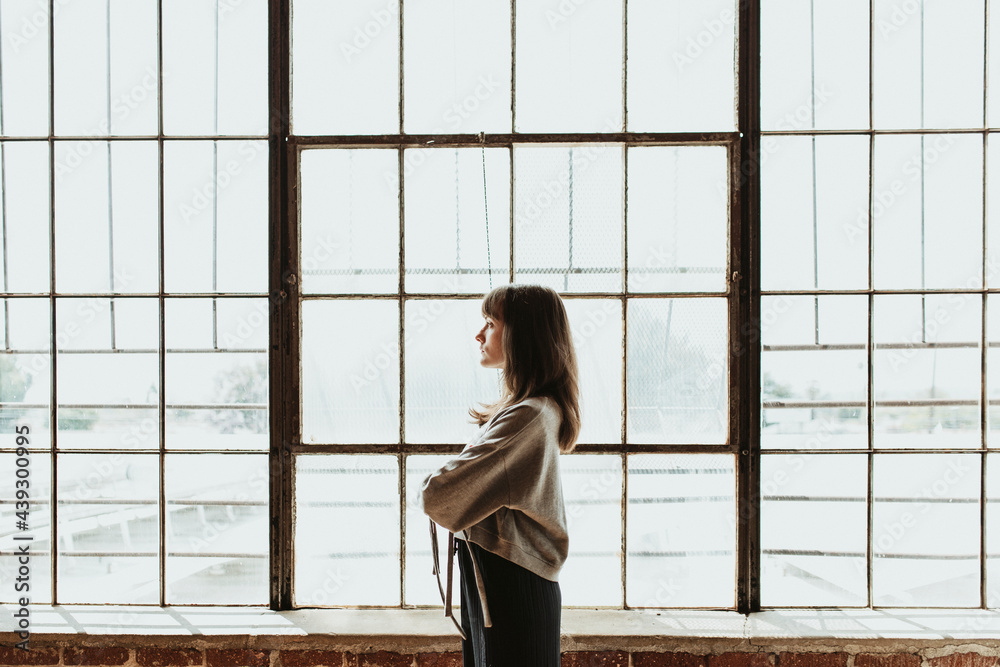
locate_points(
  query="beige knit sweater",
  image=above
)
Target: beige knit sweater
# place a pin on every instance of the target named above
(503, 491)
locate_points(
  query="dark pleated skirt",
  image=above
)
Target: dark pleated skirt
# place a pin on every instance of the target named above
(525, 609)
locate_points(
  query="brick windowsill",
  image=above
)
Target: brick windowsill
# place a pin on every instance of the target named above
(410, 630)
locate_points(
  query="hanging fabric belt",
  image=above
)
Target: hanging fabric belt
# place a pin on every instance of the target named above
(453, 548)
(445, 596)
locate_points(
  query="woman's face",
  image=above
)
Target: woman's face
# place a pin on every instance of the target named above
(490, 339)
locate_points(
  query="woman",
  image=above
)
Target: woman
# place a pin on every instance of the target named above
(502, 495)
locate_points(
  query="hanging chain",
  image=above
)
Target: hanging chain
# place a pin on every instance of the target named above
(486, 208)
(458, 218)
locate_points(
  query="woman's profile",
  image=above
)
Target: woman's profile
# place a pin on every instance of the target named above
(502, 495)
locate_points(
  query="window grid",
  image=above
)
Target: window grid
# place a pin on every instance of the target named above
(283, 351)
(736, 294)
(54, 297)
(871, 292)
(743, 296)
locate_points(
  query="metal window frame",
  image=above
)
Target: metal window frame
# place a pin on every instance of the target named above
(742, 292)
(54, 297)
(743, 295)
(871, 292)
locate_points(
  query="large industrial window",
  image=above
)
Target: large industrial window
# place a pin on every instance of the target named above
(452, 146)
(133, 200)
(233, 348)
(879, 321)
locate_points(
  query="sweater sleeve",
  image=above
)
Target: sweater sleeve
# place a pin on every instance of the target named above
(475, 484)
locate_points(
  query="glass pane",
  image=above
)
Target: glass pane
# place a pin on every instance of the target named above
(25, 371)
(681, 531)
(814, 372)
(597, 340)
(992, 212)
(456, 66)
(217, 529)
(814, 64)
(345, 51)
(443, 375)
(928, 211)
(358, 563)
(24, 39)
(437, 401)
(107, 373)
(80, 45)
(569, 66)
(25, 216)
(134, 76)
(925, 534)
(993, 531)
(39, 519)
(993, 82)
(451, 244)
(108, 528)
(107, 213)
(814, 213)
(25, 325)
(678, 219)
(814, 522)
(216, 374)
(927, 366)
(678, 390)
(592, 490)
(215, 216)
(105, 68)
(215, 67)
(568, 217)
(350, 374)
(993, 371)
(420, 585)
(928, 64)
(680, 65)
(350, 221)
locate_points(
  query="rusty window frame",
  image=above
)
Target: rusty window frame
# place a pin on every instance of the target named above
(742, 294)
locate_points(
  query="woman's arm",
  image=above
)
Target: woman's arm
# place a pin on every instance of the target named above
(474, 485)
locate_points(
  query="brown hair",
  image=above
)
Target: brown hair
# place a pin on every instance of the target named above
(539, 358)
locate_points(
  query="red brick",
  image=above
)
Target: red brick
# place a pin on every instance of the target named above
(741, 660)
(439, 660)
(595, 659)
(10, 655)
(380, 659)
(95, 655)
(812, 660)
(667, 660)
(964, 660)
(236, 657)
(886, 660)
(169, 657)
(312, 658)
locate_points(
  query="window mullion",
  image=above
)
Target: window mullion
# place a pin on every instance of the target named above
(283, 362)
(161, 400)
(745, 309)
(984, 397)
(53, 430)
